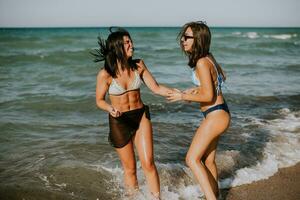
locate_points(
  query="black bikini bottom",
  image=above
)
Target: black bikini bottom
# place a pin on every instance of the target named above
(121, 129)
(222, 106)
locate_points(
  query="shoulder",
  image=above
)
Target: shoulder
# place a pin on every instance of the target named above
(103, 75)
(203, 64)
(141, 66)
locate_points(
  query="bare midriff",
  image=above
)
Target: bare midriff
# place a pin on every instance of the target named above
(130, 100)
(216, 101)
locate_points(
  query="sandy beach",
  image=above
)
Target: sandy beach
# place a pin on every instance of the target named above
(284, 185)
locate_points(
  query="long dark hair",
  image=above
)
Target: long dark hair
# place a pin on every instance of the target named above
(111, 51)
(202, 39)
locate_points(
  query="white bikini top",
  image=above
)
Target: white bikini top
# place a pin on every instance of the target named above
(116, 89)
(220, 78)
(195, 79)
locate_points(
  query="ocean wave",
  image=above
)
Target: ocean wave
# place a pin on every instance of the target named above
(255, 35)
(237, 34)
(293, 67)
(282, 150)
(281, 36)
(251, 35)
(176, 181)
(43, 52)
(79, 182)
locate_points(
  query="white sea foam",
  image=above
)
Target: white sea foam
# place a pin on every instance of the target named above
(174, 191)
(285, 139)
(44, 179)
(190, 192)
(246, 175)
(251, 35)
(62, 185)
(282, 150)
(74, 49)
(236, 33)
(281, 36)
(106, 167)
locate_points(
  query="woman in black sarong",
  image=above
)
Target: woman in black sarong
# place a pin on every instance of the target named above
(129, 118)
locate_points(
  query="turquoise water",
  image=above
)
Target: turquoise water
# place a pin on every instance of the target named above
(53, 139)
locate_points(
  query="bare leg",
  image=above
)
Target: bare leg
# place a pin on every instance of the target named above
(127, 158)
(144, 143)
(213, 126)
(209, 162)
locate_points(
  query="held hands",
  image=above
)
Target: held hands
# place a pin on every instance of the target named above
(175, 95)
(114, 112)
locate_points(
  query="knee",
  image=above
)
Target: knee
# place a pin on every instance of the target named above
(148, 165)
(190, 161)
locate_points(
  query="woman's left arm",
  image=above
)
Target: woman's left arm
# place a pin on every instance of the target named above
(150, 81)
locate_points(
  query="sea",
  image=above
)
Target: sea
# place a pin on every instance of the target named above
(53, 138)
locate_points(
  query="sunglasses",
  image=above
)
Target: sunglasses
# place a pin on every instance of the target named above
(186, 37)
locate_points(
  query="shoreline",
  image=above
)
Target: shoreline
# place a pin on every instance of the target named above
(283, 185)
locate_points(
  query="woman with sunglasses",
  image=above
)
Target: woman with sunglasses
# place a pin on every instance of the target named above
(208, 76)
(129, 118)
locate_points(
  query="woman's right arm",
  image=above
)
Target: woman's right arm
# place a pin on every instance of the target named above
(102, 86)
(204, 93)
(193, 90)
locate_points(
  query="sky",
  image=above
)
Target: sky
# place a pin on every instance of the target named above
(98, 13)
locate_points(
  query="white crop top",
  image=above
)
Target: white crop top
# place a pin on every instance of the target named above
(116, 89)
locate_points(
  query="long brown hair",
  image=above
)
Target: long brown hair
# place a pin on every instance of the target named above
(111, 51)
(202, 39)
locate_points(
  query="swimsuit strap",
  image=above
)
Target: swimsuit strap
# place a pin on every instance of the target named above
(213, 65)
(220, 79)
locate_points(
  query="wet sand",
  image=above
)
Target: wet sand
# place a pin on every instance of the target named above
(284, 185)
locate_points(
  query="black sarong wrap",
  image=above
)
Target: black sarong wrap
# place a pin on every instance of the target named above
(121, 129)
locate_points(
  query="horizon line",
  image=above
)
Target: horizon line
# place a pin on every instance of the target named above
(137, 26)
